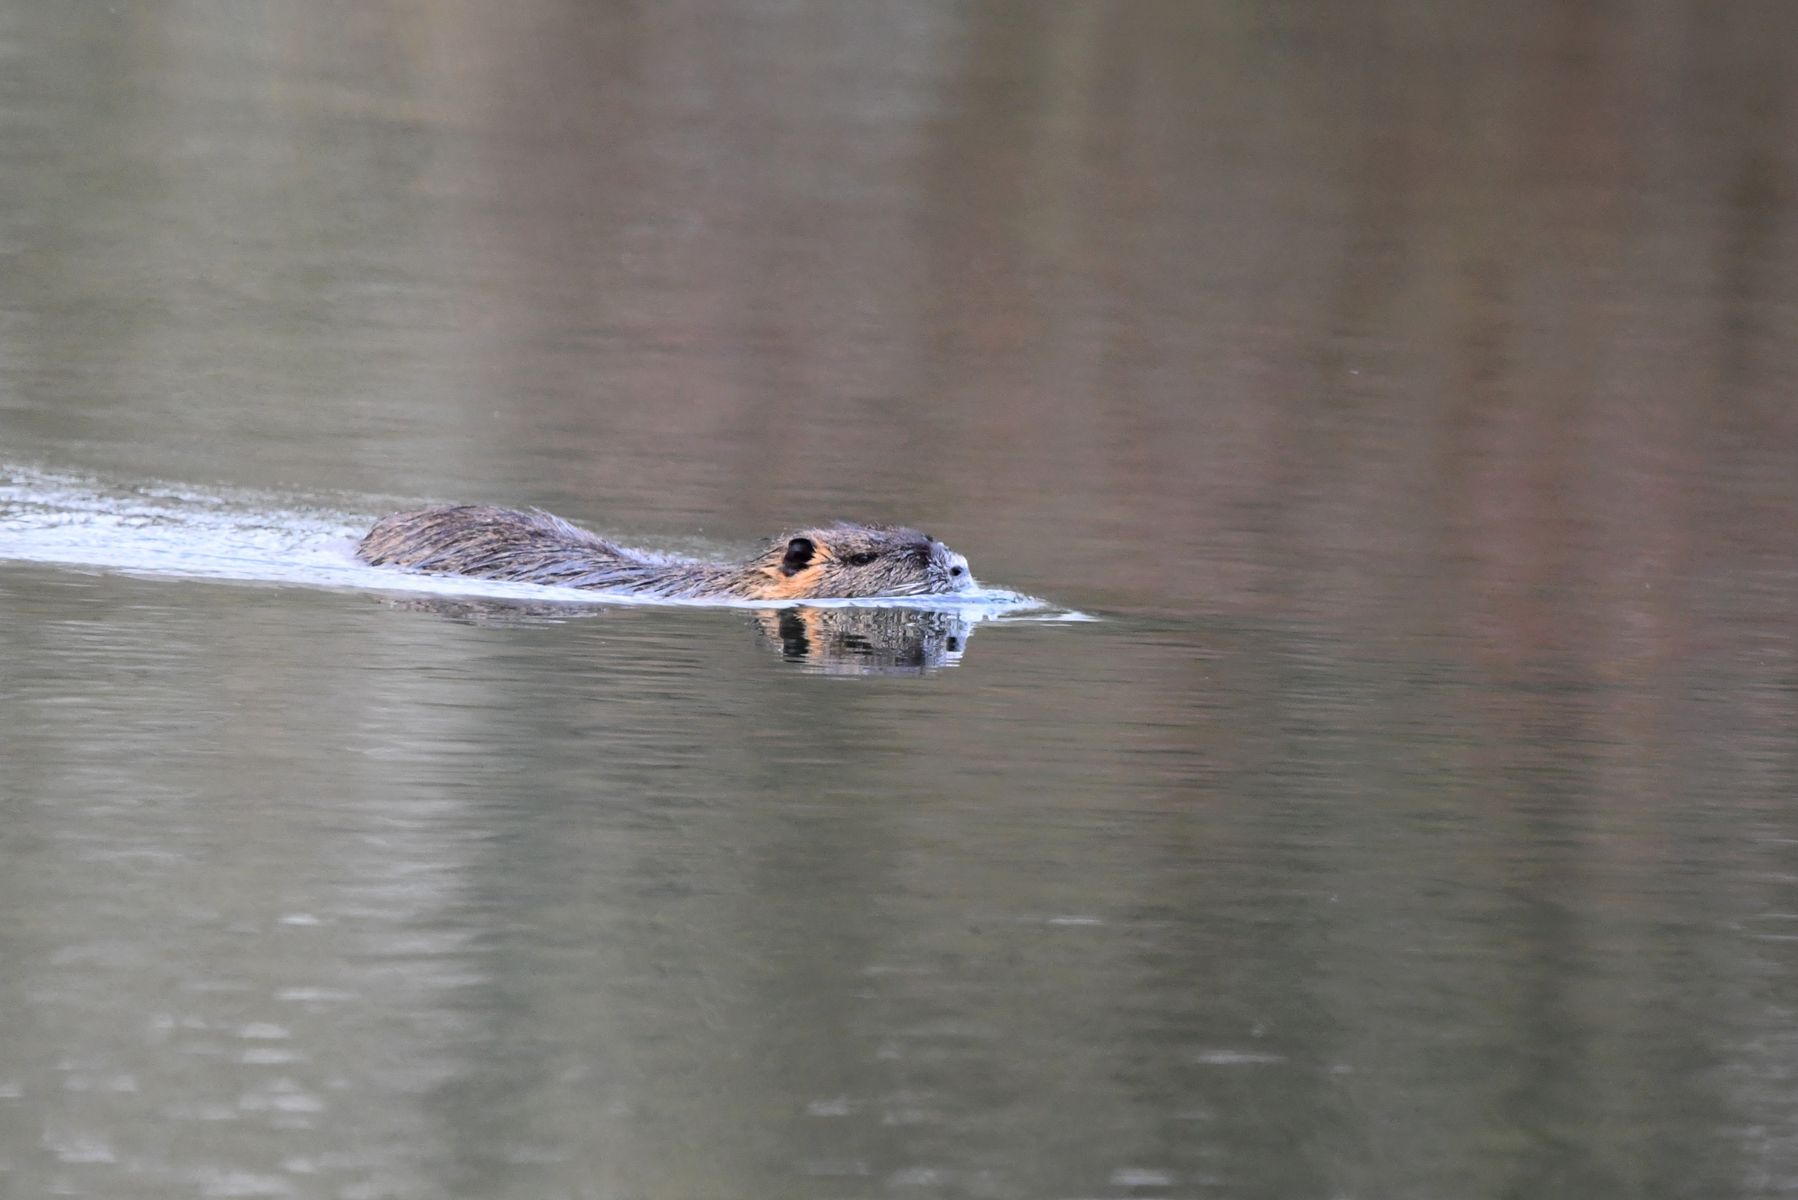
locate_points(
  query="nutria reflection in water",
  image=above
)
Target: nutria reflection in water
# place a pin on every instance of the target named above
(829, 641)
(830, 562)
(867, 641)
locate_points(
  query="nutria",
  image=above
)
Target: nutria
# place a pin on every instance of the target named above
(534, 547)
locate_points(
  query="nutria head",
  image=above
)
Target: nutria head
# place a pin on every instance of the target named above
(851, 561)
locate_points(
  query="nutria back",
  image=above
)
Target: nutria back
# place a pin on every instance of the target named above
(837, 561)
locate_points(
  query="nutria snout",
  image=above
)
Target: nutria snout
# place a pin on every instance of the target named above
(835, 561)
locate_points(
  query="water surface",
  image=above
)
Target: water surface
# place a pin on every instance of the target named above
(1408, 397)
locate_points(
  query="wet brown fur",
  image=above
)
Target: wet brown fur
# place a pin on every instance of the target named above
(536, 547)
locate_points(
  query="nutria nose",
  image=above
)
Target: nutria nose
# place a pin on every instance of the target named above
(959, 575)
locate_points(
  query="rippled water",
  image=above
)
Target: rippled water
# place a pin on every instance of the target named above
(1371, 772)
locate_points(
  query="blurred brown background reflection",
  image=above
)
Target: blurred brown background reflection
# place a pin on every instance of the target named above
(1411, 391)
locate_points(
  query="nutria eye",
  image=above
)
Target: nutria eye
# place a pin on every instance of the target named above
(799, 554)
(955, 570)
(862, 559)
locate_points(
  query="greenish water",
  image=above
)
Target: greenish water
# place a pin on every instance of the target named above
(1406, 397)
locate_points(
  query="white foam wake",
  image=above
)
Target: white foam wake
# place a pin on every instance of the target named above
(170, 530)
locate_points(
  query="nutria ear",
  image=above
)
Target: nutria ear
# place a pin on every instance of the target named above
(798, 557)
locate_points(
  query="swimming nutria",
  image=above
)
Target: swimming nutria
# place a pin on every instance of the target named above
(535, 547)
